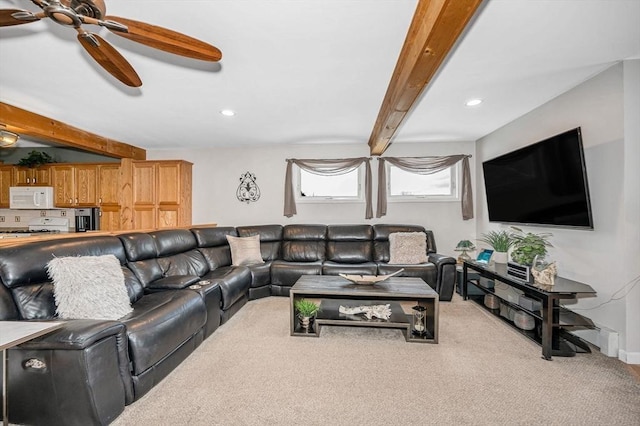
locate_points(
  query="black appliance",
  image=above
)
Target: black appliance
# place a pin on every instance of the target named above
(87, 219)
(541, 184)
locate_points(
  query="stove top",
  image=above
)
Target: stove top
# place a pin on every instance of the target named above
(40, 225)
(49, 224)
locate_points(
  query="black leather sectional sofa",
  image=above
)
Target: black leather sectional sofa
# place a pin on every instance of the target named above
(182, 287)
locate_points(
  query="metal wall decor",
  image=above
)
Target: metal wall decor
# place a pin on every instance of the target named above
(248, 190)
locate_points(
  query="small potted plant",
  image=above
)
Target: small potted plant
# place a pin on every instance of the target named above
(526, 246)
(35, 159)
(501, 241)
(307, 310)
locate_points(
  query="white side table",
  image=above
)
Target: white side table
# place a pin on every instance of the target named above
(12, 333)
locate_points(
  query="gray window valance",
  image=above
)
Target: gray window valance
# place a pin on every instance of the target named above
(426, 166)
(326, 168)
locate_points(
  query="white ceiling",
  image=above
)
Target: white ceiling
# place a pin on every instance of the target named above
(310, 71)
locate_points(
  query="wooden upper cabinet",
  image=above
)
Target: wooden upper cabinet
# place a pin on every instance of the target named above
(38, 176)
(86, 185)
(144, 182)
(6, 176)
(63, 185)
(161, 194)
(75, 185)
(109, 184)
(169, 182)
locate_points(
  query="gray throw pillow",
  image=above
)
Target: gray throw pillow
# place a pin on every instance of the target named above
(408, 248)
(245, 250)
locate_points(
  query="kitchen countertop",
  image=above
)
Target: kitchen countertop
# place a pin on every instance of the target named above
(7, 242)
(12, 241)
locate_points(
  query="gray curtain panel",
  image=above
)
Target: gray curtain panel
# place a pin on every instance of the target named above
(426, 166)
(326, 168)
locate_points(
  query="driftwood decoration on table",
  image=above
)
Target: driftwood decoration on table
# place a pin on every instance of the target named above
(371, 311)
(546, 276)
(248, 190)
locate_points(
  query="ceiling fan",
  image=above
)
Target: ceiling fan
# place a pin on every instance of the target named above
(75, 13)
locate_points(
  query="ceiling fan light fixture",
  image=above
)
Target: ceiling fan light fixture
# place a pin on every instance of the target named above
(8, 138)
(473, 102)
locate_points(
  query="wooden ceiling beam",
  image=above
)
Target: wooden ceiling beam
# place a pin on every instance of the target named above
(28, 123)
(434, 30)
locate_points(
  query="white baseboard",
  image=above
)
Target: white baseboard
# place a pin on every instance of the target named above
(629, 357)
(602, 337)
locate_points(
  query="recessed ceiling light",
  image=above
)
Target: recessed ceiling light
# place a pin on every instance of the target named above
(228, 112)
(473, 102)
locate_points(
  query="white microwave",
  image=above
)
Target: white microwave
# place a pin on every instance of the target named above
(31, 197)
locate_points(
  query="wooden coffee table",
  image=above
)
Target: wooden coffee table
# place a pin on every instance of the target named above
(401, 293)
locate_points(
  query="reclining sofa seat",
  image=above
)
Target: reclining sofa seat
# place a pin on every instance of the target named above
(234, 281)
(92, 368)
(169, 260)
(349, 250)
(303, 253)
(439, 272)
(270, 247)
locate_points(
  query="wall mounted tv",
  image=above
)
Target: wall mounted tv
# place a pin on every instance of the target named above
(541, 184)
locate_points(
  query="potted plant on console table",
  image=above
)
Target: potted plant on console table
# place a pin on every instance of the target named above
(307, 310)
(528, 246)
(501, 241)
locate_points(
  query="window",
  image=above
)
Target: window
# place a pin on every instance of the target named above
(345, 187)
(407, 186)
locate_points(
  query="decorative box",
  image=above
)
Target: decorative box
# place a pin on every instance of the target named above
(529, 303)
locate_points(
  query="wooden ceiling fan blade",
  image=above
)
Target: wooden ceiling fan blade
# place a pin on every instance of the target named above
(167, 40)
(10, 17)
(109, 58)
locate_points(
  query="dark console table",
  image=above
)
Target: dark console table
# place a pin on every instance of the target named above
(553, 320)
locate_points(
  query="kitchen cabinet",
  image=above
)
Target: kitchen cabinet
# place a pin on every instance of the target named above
(39, 176)
(161, 194)
(6, 175)
(75, 185)
(109, 198)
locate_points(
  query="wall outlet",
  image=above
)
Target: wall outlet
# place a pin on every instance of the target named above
(43, 213)
(1, 218)
(63, 213)
(17, 219)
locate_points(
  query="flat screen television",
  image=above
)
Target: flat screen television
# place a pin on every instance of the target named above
(541, 184)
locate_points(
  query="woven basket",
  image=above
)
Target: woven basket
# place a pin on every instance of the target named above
(491, 301)
(524, 321)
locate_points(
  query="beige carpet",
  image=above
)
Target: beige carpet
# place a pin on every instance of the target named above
(251, 372)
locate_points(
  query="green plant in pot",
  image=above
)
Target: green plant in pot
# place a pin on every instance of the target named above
(500, 241)
(306, 310)
(527, 246)
(35, 159)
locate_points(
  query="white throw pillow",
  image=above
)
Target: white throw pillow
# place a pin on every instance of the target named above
(89, 287)
(245, 250)
(408, 248)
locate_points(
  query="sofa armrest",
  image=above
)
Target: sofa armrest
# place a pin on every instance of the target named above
(75, 334)
(446, 266)
(80, 335)
(82, 366)
(173, 282)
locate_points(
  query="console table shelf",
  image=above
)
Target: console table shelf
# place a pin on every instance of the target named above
(551, 321)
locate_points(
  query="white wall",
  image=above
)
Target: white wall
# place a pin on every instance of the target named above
(602, 257)
(216, 174)
(632, 207)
